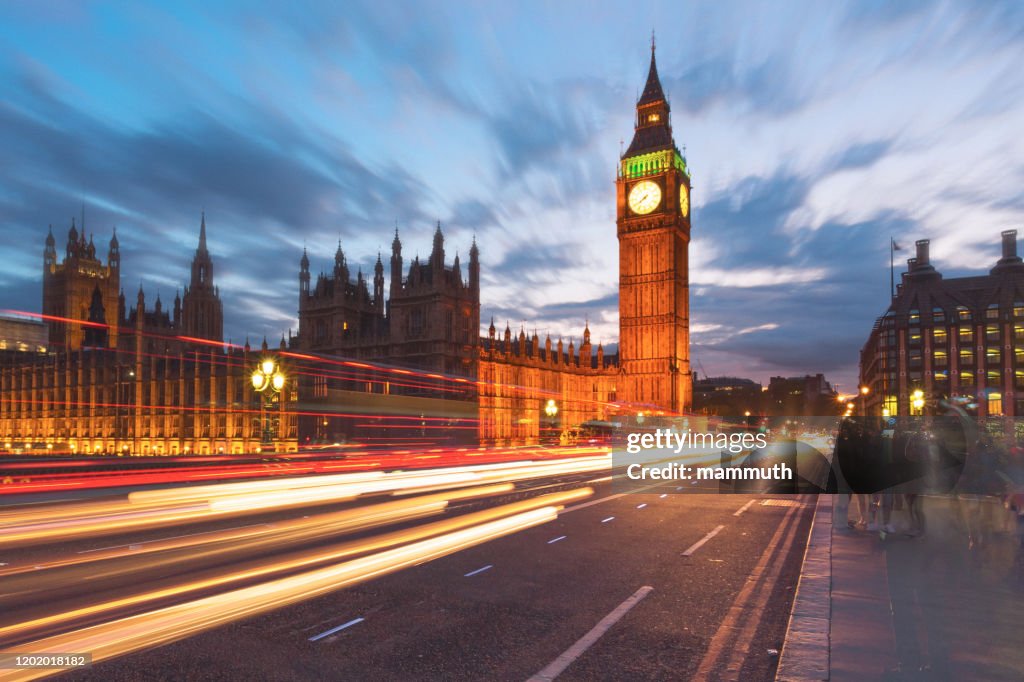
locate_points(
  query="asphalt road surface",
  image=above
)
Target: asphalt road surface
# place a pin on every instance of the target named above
(651, 585)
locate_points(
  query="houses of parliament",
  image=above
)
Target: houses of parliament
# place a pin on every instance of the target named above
(150, 380)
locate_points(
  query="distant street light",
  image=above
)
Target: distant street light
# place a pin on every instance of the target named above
(917, 400)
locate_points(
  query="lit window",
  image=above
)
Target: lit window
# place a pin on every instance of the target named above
(915, 316)
(653, 118)
(891, 404)
(966, 356)
(941, 359)
(939, 336)
(965, 334)
(995, 404)
(963, 313)
(1018, 309)
(993, 356)
(992, 332)
(938, 315)
(992, 312)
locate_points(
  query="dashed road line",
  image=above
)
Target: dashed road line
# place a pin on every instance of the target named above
(554, 540)
(700, 543)
(354, 621)
(479, 570)
(641, 506)
(743, 508)
(607, 520)
(558, 666)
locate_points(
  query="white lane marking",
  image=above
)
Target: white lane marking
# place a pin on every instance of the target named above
(557, 666)
(607, 520)
(354, 621)
(560, 537)
(584, 505)
(479, 570)
(135, 545)
(679, 487)
(641, 506)
(700, 543)
(743, 508)
(663, 495)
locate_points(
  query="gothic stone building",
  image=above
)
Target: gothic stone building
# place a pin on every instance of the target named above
(179, 397)
(430, 319)
(138, 380)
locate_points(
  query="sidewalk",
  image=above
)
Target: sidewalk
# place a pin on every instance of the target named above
(945, 606)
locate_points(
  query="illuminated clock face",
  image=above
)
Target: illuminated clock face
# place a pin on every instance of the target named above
(644, 197)
(684, 200)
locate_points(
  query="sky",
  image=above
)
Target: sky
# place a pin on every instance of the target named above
(814, 132)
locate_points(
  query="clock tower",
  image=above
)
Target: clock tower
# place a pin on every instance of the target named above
(653, 226)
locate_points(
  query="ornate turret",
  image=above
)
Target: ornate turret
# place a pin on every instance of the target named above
(340, 269)
(72, 246)
(304, 272)
(396, 265)
(202, 312)
(437, 252)
(378, 285)
(114, 253)
(50, 252)
(474, 267)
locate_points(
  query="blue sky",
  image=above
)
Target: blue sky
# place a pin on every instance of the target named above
(814, 131)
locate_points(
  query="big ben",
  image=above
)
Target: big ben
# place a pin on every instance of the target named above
(653, 221)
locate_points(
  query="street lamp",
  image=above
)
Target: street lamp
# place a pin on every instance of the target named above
(551, 410)
(267, 380)
(917, 400)
(864, 390)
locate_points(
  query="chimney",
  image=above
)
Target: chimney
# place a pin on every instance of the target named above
(922, 252)
(1010, 259)
(1009, 244)
(919, 268)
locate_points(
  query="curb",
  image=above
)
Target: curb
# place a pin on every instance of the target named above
(805, 651)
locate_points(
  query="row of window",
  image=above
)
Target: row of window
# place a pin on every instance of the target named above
(994, 406)
(963, 313)
(940, 335)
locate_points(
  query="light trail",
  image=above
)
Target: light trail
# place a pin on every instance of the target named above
(264, 568)
(171, 623)
(153, 508)
(290, 531)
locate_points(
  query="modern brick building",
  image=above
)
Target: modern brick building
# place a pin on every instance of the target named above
(959, 337)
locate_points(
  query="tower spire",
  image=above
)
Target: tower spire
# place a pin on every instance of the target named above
(202, 232)
(652, 89)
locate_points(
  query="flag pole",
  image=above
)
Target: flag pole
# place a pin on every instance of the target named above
(892, 269)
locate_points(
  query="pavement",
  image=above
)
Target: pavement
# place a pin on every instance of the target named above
(945, 605)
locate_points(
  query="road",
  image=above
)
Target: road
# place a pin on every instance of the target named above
(650, 585)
